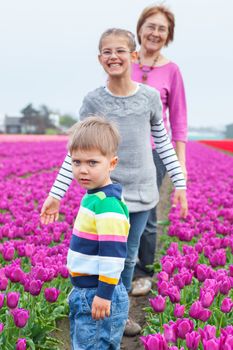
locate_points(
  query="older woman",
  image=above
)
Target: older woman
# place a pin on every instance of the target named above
(155, 30)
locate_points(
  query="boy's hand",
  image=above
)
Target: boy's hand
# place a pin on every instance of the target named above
(180, 197)
(50, 210)
(100, 308)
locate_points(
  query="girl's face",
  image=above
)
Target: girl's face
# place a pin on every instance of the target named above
(154, 32)
(115, 56)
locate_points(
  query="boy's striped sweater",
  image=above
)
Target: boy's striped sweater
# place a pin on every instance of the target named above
(98, 245)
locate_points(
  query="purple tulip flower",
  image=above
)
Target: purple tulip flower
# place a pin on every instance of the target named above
(168, 267)
(12, 299)
(20, 317)
(184, 326)
(205, 314)
(195, 310)
(206, 297)
(226, 305)
(154, 341)
(225, 286)
(211, 344)
(8, 253)
(202, 272)
(179, 310)
(158, 303)
(35, 287)
(226, 343)
(174, 294)
(192, 340)
(208, 332)
(170, 332)
(2, 297)
(64, 272)
(16, 275)
(51, 294)
(163, 288)
(21, 344)
(3, 283)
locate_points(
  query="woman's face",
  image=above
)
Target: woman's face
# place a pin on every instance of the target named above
(154, 32)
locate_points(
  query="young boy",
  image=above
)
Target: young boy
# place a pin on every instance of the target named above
(99, 301)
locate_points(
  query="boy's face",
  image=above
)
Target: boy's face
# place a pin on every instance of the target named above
(91, 168)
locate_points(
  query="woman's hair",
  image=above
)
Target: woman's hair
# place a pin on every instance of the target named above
(94, 132)
(122, 33)
(152, 10)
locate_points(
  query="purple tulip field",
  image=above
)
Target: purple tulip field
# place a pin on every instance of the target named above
(192, 306)
(34, 280)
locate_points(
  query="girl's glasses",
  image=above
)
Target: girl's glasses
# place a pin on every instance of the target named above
(117, 52)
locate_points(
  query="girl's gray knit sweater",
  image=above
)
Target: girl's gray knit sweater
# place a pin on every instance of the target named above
(137, 116)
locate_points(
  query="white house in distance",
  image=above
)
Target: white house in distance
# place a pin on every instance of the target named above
(55, 119)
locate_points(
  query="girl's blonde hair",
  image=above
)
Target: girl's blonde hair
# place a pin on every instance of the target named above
(122, 33)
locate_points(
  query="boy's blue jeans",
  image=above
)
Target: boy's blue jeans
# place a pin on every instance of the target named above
(89, 334)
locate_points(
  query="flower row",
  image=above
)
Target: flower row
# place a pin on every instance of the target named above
(193, 306)
(33, 275)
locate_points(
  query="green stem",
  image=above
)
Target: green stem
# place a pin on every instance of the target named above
(220, 325)
(218, 300)
(184, 296)
(7, 326)
(161, 322)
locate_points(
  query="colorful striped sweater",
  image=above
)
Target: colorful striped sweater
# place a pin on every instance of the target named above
(98, 248)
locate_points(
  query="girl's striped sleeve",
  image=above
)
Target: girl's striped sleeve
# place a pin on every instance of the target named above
(63, 179)
(167, 154)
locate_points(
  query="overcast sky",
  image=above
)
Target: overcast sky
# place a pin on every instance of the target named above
(48, 52)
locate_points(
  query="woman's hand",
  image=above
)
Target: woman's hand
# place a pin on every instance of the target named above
(50, 210)
(184, 170)
(180, 151)
(180, 197)
(100, 308)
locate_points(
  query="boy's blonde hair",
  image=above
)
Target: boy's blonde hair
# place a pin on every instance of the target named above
(94, 133)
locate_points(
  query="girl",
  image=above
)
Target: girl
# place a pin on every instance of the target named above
(137, 111)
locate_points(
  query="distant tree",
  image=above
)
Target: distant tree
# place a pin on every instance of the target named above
(36, 121)
(29, 111)
(30, 119)
(45, 112)
(67, 120)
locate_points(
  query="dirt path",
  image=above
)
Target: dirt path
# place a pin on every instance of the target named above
(137, 303)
